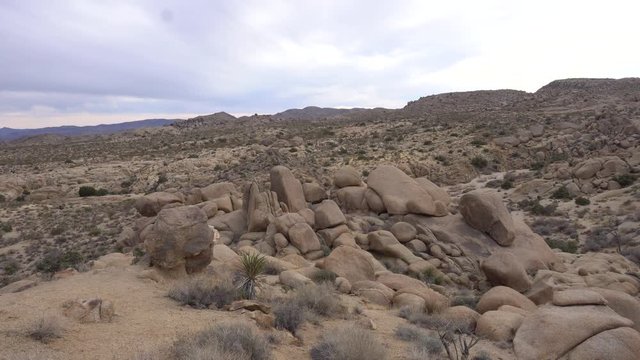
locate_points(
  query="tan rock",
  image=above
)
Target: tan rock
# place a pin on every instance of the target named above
(403, 231)
(288, 188)
(505, 269)
(302, 236)
(498, 325)
(328, 215)
(502, 295)
(150, 205)
(401, 194)
(572, 297)
(313, 192)
(485, 211)
(347, 176)
(564, 329)
(617, 344)
(411, 301)
(373, 291)
(350, 263)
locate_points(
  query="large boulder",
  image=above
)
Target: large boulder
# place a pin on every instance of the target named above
(260, 207)
(623, 304)
(485, 211)
(502, 295)
(302, 236)
(150, 205)
(179, 238)
(288, 188)
(572, 297)
(351, 263)
(587, 169)
(550, 332)
(436, 192)
(505, 269)
(215, 191)
(401, 194)
(373, 291)
(613, 165)
(313, 192)
(385, 243)
(403, 231)
(617, 344)
(346, 176)
(498, 325)
(328, 214)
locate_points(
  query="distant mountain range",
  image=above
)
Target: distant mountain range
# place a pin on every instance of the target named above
(8, 134)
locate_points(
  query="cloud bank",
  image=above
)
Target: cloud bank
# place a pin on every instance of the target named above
(88, 62)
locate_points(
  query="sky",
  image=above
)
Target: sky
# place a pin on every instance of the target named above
(105, 61)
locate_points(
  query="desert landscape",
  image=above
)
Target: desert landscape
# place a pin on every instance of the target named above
(495, 224)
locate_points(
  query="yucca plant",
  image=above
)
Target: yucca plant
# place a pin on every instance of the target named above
(249, 272)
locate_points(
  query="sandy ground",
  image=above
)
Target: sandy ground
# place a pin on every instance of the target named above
(146, 320)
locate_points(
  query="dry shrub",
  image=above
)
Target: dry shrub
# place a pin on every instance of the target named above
(226, 341)
(320, 299)
(46, 329)
(201, 291)
(289, 315)
(424, 345)
(349, 343)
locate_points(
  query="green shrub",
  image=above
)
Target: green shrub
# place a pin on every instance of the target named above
(537, 166)
(535, 208)
(227, 341)
(561, 193)
(6, 227)
(582, 201)
(251, 268)
(506, 184)
(322, 276)
(87, 191)
(625, 180)
(102, 192)
(55, 260)
(479, 162)
(569, 246)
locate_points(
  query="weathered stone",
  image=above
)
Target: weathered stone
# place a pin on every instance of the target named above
(505, 269)
(313, 192)
(150, 205)
(403, 231)
(288, 188)
(346, 176)
(485, 211)
(351, 264)
(302, 236)
(572, 297)
(328, 214)
(180, 238)
(498, 325)
(502, 295)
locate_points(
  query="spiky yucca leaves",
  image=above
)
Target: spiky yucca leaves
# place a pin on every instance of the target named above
(251, 268)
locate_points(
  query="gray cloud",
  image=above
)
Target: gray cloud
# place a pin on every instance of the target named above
(101, 59)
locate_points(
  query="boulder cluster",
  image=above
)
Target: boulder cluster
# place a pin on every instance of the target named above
(398, 241)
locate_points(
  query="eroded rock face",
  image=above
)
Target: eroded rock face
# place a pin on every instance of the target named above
(288, 188)
(179, 238)
(301, 236)
(484, 211)
(502, 295)
(328, 214)
(401, 194)
(552, 331)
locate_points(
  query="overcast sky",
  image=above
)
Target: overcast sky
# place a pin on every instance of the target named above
(89, 62)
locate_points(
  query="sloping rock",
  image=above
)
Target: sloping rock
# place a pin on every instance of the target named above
(551, 331)
(411, 301)
(618, 344)
(385, 243)
(623, 304)
(485, 211)
(572, 297)
(350, 263)
(502, 295)
(505, 269)
(613, 166)
(587, 169)
(328, 214)
(179, 238)
(401, 194)
(434, 301)
(288, 188)
(436, 192)
(294, 279)
(150, 205)
(260, 207)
